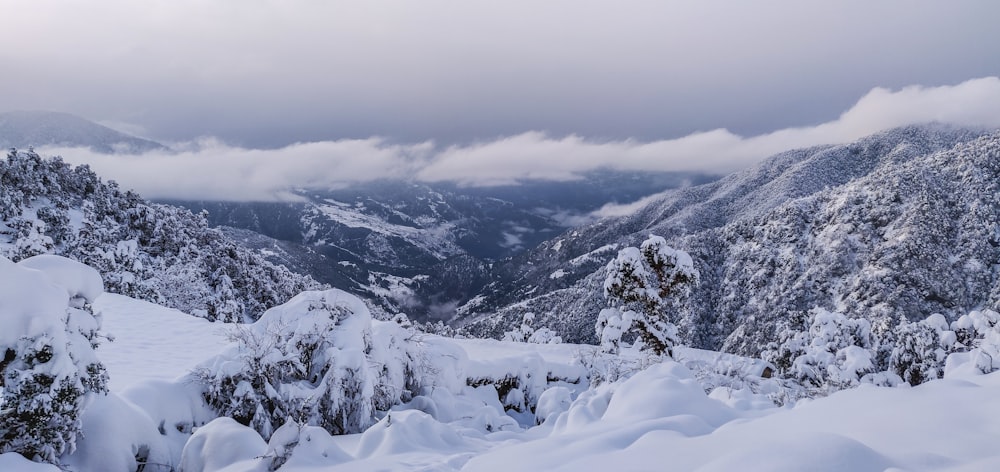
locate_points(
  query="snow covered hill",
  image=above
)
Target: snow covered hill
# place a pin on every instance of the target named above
(899, 224)
(22, 129)
(665, 416)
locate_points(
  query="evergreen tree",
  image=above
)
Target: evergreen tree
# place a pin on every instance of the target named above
(918, 355)
(318, 359)
(644, 288)
(526, 333)
(49, 370)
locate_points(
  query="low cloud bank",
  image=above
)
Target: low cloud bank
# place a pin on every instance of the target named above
(212, 170)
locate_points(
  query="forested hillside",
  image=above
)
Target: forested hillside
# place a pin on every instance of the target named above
(902, 224)
(153, 252)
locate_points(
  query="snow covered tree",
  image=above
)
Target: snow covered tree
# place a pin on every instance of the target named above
(644, 288)
(838, 351)
(793, 339)
(30, 238)
(825, 350)
(526, 333)
(544, 335)
(49, 368)
(437, 327)
(320, 360)
(918, 355)
(521, 333)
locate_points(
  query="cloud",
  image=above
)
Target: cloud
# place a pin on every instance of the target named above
(565, 218)
(268, 73)
(511, 240)
(623, 209)
(537, 156)
(213, 170)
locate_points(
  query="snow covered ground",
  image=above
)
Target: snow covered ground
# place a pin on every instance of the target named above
(660, 419)
(152, 342)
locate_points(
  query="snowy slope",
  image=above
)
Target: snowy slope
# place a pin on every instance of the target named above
(152, 342)
(660, 418)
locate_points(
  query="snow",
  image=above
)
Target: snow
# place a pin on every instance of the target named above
(152, 342)
(435, 240)
(78, 279)
(114, 432)
(15, 462)
(659, 418)
(556, 357)
(552, 402)
(30, 303)
(408, 431)
(862, 429)
(220, 444)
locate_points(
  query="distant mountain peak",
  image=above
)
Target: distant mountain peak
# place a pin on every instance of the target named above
(21, 129)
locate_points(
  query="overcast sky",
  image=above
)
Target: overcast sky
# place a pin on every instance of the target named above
(492, 77)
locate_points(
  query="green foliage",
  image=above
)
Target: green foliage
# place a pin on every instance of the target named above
(44, 392)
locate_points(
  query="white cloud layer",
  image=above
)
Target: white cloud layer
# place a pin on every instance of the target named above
(213, 170)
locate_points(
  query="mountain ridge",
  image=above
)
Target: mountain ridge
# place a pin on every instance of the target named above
(35, 128)
(707, 221)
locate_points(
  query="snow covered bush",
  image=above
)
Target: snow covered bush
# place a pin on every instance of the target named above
(49, 367)
(220, 443)
(978, 332)
(972, 328)
(793, 338)
(319, 360)
(918, 355)
(825, 350)
(837, 354)
(644, 288)
(830, 351)
(526, 333)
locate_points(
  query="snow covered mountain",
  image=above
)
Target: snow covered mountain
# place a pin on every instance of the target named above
(22, 129)
(421, 248)
(804, 250)
(901, 224)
